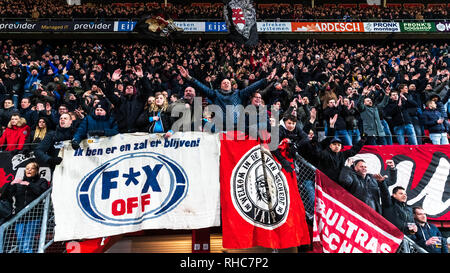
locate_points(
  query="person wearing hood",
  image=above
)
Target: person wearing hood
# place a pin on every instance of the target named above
(16, 133)
(96, 124)
(225, 96)
(129, 104)
(48, 149)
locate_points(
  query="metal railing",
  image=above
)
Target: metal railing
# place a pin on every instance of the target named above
(31, 230)
(306, 174)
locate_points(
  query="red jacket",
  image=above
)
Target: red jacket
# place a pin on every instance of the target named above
(14, 137)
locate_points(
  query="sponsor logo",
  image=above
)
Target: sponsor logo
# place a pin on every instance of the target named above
(18, 26)
(259, 190)
(92, 26)
(132, 188)
(125, 26)
(328, 27)
(216, 27)
(443, 26)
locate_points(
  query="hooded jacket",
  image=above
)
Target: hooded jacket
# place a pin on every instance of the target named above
(14, 137)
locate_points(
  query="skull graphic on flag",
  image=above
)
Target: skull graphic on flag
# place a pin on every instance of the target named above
(242, 15)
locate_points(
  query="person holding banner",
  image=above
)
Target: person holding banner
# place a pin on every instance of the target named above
(97, 124)
(48, 149)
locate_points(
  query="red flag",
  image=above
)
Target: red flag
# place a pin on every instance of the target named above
(342, 223)
(261, 205)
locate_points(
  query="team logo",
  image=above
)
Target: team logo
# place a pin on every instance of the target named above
(259, 190)
(242, 15)
(132, 188)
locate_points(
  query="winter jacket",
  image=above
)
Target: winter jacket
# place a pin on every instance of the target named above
(399, 114)
(49, 147)
(396, 212)
(424, 233)
(429, 119)
(331, 163)
(365, 189)
(24, 195)
(96, 125)
(146, 123)
(371, 120)
(14, 137)
(234, 98)
(127, 108)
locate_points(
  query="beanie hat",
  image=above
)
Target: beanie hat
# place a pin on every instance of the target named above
(103, 104)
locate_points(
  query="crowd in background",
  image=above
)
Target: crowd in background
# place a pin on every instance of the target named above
(391, 83)
(182, 11)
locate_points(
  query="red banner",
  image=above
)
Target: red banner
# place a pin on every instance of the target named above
(261, 205)
(423, 170)
(344, 224)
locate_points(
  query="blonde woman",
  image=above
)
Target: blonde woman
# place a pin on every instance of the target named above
(156, 118)
(38, 133)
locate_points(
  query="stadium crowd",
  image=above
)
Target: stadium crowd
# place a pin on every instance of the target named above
(358, 93)
(182, 11)
(402, 86)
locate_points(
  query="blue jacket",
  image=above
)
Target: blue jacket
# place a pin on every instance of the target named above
(429, 119)
(234, 99)
(426, 232)
(92, 123)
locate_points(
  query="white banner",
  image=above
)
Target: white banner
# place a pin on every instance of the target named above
(191, 26)
(132, 182)
(382, 27)
(274, 26)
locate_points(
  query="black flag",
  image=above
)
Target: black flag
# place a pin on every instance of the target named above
(240, 16)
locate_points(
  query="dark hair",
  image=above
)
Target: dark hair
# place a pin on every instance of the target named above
(396, 189)
(356, 162)
(416, 208)
(290, 117)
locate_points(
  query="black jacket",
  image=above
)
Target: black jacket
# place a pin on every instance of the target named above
(24, 195)
(127, 108)
(46, 149)
(365, 189)
(396, 212)
(331, 163)
(144, 125)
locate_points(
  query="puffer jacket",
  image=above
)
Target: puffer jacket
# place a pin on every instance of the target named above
(14, 137)
(93, 124)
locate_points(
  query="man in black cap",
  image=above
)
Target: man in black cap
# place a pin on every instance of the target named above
(99, 123)
(331, 160)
